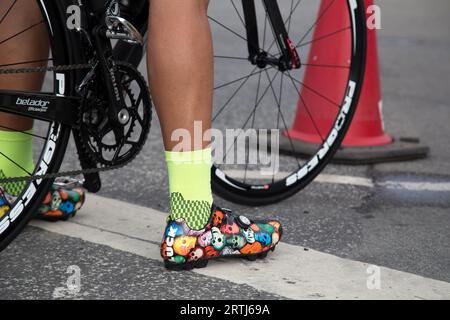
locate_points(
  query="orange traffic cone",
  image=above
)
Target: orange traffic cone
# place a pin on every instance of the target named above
(366, 140)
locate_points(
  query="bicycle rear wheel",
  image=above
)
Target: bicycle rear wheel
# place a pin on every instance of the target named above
(46, 21)
(262, 100)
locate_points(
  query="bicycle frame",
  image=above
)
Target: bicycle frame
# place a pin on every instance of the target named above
(41, 106)
(64, 109)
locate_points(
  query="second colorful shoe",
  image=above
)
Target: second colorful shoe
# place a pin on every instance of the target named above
(225, 235)
(64, 200)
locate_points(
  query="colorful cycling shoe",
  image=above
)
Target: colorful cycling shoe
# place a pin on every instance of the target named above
(64, 200)
(225, 235)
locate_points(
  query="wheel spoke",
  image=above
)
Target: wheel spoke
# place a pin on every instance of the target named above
(235, 33)
(231, 58)
(236, 92)
(228, 28)
(251, 113)
(315, 23)
(23, 132)
(25, 62)
(266, 19)
(316, 92)
(299, 45)
(237, 12)
(23, 31)
(252, 73)
(16, 164)
(253, 120)
(306, 107)
(291, 12)
(280, 114)
(325, 66)
(8, 11)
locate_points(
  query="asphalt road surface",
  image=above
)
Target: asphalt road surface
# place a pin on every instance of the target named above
(395, 216)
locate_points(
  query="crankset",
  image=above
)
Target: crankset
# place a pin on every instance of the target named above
(114, 117)
(117, 140)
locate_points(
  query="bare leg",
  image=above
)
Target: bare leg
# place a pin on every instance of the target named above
(180, 65)
(30, 45)
(180, 70)
(23, 38)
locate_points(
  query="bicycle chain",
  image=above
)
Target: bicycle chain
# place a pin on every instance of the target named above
(67, 67)
(71, 173)
(60, 174)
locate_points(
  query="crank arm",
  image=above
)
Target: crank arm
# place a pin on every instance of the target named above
(92, 181)
(106, 65)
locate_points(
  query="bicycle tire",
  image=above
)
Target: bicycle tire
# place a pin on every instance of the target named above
(256, 195)
(63, 52)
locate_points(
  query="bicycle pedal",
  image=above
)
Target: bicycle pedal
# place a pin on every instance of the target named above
(68, 183)
(121, 29)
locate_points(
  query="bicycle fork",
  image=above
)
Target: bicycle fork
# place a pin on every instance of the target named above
(290, 58)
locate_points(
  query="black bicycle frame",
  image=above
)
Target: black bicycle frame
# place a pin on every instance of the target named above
(63, 109)
(41, 106)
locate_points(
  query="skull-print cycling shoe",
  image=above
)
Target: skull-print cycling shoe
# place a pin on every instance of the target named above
(225, 235)
(64, 200)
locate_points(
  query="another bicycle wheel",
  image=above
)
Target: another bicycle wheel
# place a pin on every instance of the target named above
(261, 99)
(20, 23)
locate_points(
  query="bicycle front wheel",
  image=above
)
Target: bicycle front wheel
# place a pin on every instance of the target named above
(262, 100)
(33, 36)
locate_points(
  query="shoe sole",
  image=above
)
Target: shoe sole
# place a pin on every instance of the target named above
(56, 219)
(199, 264)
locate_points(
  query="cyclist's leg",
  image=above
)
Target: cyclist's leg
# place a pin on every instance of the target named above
(29, 45)
(180, 66)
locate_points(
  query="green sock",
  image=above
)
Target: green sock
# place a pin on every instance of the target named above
(16, 146)
(190, 186)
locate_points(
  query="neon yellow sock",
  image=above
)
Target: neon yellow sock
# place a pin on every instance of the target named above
(190, 186)
(17, 147)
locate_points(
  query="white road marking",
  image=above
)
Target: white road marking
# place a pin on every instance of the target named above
(351, 180)
(341, 179)
(418, 186)
(290, 271)
(323, 178)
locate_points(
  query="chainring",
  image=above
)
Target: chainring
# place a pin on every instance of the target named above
(96, 130)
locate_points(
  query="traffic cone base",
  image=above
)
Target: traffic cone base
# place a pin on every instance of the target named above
(402, 149)
(351, 141)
